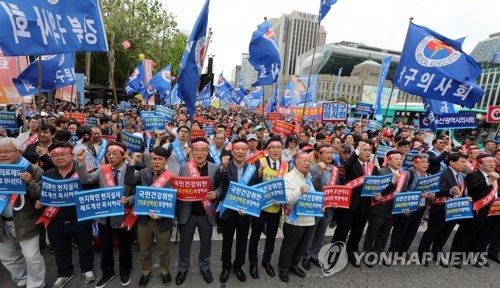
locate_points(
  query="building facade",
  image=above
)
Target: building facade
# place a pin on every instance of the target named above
(248, 72)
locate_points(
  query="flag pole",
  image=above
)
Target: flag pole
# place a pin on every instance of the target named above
(387, 107)
(39, 91)
(310, 73)
(72, 86)
(23, 104)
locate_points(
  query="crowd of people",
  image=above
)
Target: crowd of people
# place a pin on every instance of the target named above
(54, 145)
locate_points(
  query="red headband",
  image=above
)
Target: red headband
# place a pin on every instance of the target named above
(240, 144)
(116, 148)
(323, 149)
(275, 143)
(303, 155)
(200, 144)
(392, 155)
(61, 150)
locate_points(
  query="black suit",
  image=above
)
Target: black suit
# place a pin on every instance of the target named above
(435, 162)
(471, 231)
(231, 221)
(354, 219)
(438, 230)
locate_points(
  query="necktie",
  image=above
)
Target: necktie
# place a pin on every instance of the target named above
(364, 169)
(459, 181)
(274, 166)
(116, 173)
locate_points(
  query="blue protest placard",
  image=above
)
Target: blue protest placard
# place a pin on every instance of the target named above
(350, 120)
(310, 204)
(347, 131)
(375, 185)
(59, 193)
(406, 201)
(209, 130)
(429, 184)
(91, 122)
(449, 121)
(408, 161)
(415, 124)
(335, 111)
(132, 142)
(164, 111)
(382, 150)
(99, 203)
(3, 200)
(152, 123)
(8, 120)
(73, 138)
(10, 181)
(244, 198)
(160, 201)
(374, 125)
(458, 208)
(33, 27)
(363, 108)
(147, 114)
(275, 190)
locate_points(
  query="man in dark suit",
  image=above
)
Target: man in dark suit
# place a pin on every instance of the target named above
(482, 187)
(352, 221)
(195, 214)
(438, 230)
(438, 154)
(235, 221)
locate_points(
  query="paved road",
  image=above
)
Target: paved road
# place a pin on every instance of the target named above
(378, 276)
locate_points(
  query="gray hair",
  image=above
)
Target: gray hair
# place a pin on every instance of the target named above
(421, 156)
(9, 140)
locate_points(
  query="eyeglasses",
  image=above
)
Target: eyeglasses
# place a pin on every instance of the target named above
(7, 152)
(61, 155)
(157, 159)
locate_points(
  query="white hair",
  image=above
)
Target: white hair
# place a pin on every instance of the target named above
(9, 140)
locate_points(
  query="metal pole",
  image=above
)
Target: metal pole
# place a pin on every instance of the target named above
(387, 106)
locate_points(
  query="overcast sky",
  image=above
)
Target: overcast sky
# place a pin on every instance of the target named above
(380, 23)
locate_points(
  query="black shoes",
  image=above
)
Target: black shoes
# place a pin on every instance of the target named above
(207, 276)
(306, 263)
(224, 275)
(240, 274)
(143, 281)
(299, 272)
(269, 268)
(284, 276)
(181, 276)
(254, 272)
(125, 280)
(104, 281)
(315, 262)
(352, 259)
(166, 279)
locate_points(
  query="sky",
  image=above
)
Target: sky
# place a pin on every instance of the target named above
(379, 23)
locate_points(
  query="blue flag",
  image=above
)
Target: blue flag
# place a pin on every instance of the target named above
(223, 89)
(433, 66)
(174, 96)
(254, 97)
(192, 61)
(429, 114)
(162, 82)
(338, 83)
(57, 71)
(286, 98)
(272, 106)
(147, 93)
(240, 90)
(386, 64)
(204, 96)
(324, 8)
(265, 55)
(136, 81)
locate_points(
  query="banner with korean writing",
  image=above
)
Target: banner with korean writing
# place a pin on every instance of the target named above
(272, 116)
(109, 138)
(209, 130)
(10, 181)
(247, 199)
(382, 150)
(80, 118)
(10, 67)
(363, 108)
(309, 113)
(275, 190)
(458, 208)
(59, 193)
(152, 123)
(337, 195)
(32, 27)
(191, 188)
(494, 208)
(335, 111)
(282, 128)
(132, 142)
(310, 204)
(196, 133)
(99, 203)
(449, 121)
(256, 157)
(375, 185)
(406, 201)
(90, 122)
(164, 111)
(160, 201)
(374, 125)
(408, 161)
(8, 120)
(428, 184)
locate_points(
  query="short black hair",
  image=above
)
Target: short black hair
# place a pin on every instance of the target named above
(198, 139)
(160, 151)
(84, 132)
(104, 119)
(49, 127)
(62, 135)
(238, 140)
(454, 157)
(404, 143)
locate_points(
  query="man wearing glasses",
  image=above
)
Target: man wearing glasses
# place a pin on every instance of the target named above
(178, 151)
(438, 154)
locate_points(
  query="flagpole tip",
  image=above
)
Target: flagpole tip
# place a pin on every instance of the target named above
(411, 18)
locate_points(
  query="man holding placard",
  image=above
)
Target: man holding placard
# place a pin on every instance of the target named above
(62, 224)
(111, 175)
(235, 221)
(199, 213)
(269, 168)
(482, 186)
(19, 247)
(152, 226)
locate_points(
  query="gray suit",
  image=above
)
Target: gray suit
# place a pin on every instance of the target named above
(188, 223)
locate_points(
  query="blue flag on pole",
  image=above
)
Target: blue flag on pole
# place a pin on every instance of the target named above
(429, 114)
(265, 55)
(192, 61)
(223, 89)
(272, 106)
(174, 96)
(162, 82)
(254, 97)
(240, 90)
(136, 81)
(204, 96)
(324, 8)
(57, 71)
(338, 83)
(433, 66)
(386, 64)
(286, 98)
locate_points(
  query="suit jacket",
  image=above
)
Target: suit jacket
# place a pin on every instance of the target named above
(231, 174)
(319, 181)
(145, 178)
(446, 182)
(477, 189)
(96, 177)
(184, 207)
(385, 209)
(353, 170)
(435, 162)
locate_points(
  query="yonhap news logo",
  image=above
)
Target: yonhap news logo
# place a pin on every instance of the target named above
(333, 258)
